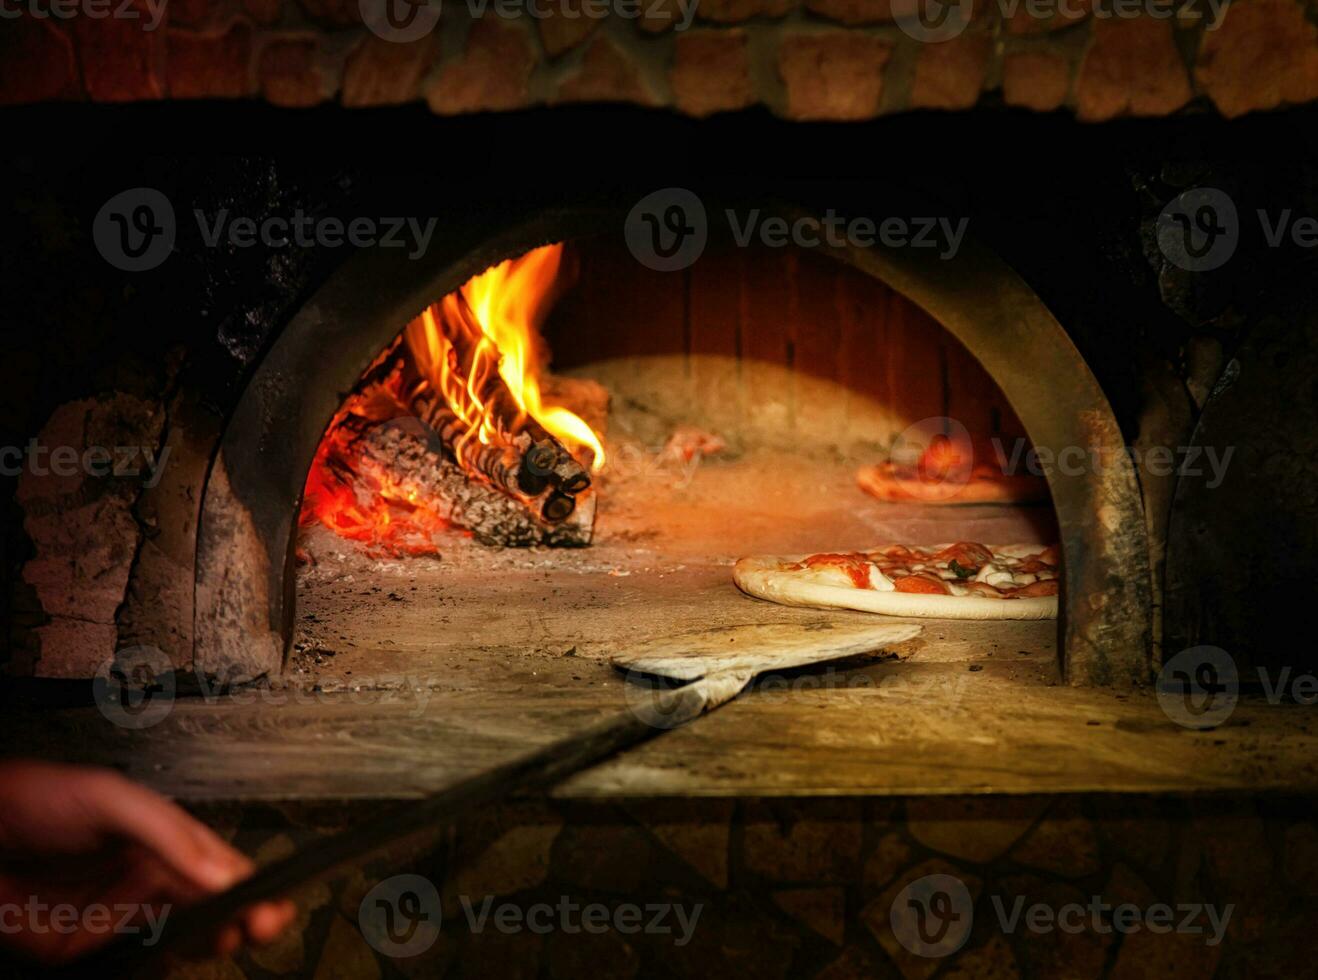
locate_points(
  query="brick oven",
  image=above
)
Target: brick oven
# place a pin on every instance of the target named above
(338, 467)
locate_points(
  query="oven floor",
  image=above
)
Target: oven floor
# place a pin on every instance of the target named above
(410, 674)
(661, 563)
(998, 724)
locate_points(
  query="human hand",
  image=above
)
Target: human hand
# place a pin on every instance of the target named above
(75, 839)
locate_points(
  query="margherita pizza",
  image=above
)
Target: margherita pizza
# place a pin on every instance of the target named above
(958, 581)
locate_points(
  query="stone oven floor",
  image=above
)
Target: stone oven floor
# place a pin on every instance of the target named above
(997, 722)
(409, 674)
(660, 563)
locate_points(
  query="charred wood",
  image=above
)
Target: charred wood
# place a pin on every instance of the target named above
(413, 460)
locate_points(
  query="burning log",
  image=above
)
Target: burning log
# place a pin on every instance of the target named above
(558, 506)
(537, 463)
(547, 461)
(528, 465)
(416, 467)
(482, 449)
(569, 475)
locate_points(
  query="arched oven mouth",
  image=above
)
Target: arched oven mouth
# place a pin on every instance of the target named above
(531, 445)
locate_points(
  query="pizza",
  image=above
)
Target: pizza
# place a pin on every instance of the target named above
(944, 474)
(956, 581)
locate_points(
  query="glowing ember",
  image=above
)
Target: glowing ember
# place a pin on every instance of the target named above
(468, 364)
(367, 506)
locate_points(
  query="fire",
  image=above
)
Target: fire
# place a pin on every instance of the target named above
(469, 362)
(491, 326)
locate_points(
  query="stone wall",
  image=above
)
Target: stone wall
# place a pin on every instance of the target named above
(803, 59)
(805, 888)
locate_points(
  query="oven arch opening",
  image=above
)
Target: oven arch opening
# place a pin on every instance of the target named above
(245, 560)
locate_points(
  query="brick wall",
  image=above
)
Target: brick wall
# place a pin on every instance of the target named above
(803, 59)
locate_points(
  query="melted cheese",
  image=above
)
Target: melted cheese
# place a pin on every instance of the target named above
(996, 575)
(879, 581)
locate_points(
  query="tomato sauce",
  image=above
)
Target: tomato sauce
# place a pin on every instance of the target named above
(856, 567)
(925, 584)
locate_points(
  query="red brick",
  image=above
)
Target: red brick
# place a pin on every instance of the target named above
(36, 63)
(492, 73)
(711, 72)
(1132, 68)
(204, 66)
(381, 72)
(1055, 17)
(881, 11)
(84, 538)
(289, 75)
(606, 75)
(1036, 80)
(559, 31)
(950, 74)
(852, 11)
(660, 15)
(735, 11)
(836, 75)
(74, 648)
(120, 58)
(1262, 55)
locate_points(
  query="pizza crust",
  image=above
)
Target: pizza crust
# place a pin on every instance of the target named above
(763, 578)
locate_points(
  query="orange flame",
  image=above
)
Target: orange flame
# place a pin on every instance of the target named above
(476, 349)
(491, 325)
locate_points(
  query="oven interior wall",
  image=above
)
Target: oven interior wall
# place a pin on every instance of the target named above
(772, 348)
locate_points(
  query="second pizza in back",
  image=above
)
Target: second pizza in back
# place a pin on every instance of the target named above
(946, 473)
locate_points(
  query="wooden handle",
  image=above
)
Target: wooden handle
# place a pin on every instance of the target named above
(535, 771)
